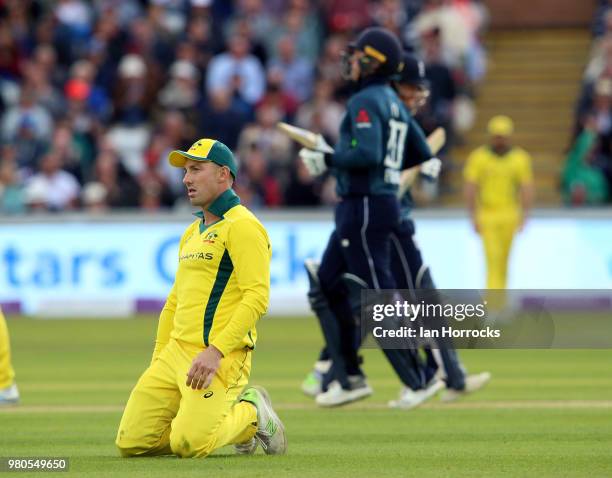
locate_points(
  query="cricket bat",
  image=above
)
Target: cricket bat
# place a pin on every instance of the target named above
(306, 138)
(315, 141)
(436, 141)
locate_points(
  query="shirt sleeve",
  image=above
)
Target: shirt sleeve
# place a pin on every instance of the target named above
(471, 171)
(416, 150)
(166, 317)
(249, 250)
(525, 174)
(165, 324)
(363, 150)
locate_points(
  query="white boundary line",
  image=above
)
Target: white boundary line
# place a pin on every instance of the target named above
(468, 405)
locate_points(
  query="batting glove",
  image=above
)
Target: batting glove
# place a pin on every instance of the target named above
(314, 161)
(431, 168)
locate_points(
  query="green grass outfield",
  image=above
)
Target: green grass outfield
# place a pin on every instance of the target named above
(545, 413)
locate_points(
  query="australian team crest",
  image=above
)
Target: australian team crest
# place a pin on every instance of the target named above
(210, 237)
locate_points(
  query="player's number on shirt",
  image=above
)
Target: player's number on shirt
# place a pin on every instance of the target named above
(395, 150)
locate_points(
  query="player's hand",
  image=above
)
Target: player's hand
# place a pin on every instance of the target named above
(475, 225)
(203, 368)
(314, 161)
(431, 168)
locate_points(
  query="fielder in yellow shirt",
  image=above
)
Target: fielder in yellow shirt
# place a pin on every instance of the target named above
(189, 401)
(9, 395)
(499, 191)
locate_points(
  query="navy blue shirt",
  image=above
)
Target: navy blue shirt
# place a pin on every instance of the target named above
(369, 154)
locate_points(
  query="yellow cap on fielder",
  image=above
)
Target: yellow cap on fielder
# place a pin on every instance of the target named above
(205, 149)
(500, 126)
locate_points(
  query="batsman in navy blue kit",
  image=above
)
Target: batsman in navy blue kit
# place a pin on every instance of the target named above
(420, 382)
(407, 265)
(367, 163)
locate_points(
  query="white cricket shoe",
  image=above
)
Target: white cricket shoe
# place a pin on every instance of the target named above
(472, 383)
(270, 430)
(336, 395)
(311, 385)
(9, 395)
(409, 398)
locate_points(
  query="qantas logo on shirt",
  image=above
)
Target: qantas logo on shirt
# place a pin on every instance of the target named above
(363, 119)
(196, 256)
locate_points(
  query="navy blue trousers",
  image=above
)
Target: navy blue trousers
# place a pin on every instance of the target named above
(410, 272)
(361, 245)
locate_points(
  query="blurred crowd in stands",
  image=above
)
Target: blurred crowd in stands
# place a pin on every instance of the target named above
(587, 175)
(94, 94)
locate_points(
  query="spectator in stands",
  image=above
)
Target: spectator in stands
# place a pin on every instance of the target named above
(122, 190)
(47, 95)
(322, 114)
(182, 92)
(238, 69)
(28, 127)
(255, 14)
(279, 98)
(94, 198)
(242, 26)
(454, 35)
(439, 109)
(347, 15)
(10, 56)
(602, 107)
(600, 21)
(134, 93)
(75, 149)
(329, 65)
(58, 189)
(582, 182)
(84, 72)
(174, 133)
(264, 188)
(601, 57)
(223, 118)
(12, 194)
(296, 72)
(45, 58)
(27, 111)
(149, 40)
(302, 189)
(263, 135)
(301, 23)
(203, 39)
(392, 15)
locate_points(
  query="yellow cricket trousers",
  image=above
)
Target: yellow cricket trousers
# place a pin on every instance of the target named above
(164, 416)
(7, 375)
(497, 232)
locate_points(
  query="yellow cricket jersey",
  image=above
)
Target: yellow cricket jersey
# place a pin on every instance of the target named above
(222, 284)
(498, 177)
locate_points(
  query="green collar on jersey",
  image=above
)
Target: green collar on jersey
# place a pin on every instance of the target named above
(227, 200)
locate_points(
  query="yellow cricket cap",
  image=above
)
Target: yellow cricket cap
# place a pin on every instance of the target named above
(500, 126)
(205, 149)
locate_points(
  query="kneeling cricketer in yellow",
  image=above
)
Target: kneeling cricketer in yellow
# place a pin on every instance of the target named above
(189, 401)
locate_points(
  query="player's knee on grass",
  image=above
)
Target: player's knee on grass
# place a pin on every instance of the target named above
(189, 443)
(130, 449)
(132, 446)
